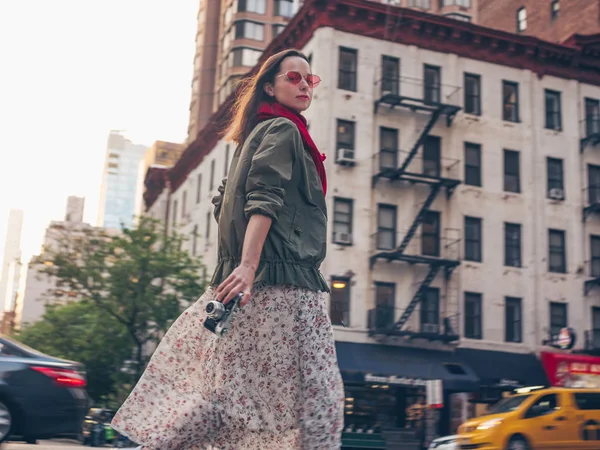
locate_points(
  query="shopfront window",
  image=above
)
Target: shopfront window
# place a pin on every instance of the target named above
(370, 408)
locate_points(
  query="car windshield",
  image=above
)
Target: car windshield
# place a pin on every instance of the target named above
(508, 404)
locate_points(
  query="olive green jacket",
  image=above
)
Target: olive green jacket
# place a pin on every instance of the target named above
(273, 175)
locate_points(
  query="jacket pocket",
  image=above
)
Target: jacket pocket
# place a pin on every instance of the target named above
(309, 234)
(286, 222)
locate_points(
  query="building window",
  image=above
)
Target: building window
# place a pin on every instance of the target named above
(284, 8)
(473, 239)
(345, 137)
(555, 178)
(347, 72)
(472, 94)
(432, 158)
(255, 6)
(557, 259)
(277, 28)
(244, 29)
(512, 245)
(184, 204)
(554, 9)
(521, 19)
(595, 256)
(211, 183)
(553, 110)
(512, 178)
(195, 240)
(472, 164)
(593, 184)
(385, 302)
(246, 57)
(463, 3)
(430, 311)
(339, 307)
(558, 317)
(174, 215)
(432, 84)
(388, 151)
(198, 188)
(514, 323)
(226, 165)
(510, 101)
(386, 227)
(423, 4)
(208, 220)
(592, 116)
(430, 234)
(473, 319)
(390, 75)
(342, 221)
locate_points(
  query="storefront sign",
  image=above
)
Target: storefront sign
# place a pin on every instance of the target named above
(503, 382)
(403, 381)
(571, 370)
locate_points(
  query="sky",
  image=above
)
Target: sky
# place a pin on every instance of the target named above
(70, 71)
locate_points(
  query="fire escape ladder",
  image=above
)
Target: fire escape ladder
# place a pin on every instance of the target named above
(433, 271)
(413, 228)
(432, 120)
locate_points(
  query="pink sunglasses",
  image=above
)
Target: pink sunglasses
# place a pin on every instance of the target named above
(295, 77)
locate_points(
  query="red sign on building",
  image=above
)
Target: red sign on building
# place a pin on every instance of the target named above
(571, 370)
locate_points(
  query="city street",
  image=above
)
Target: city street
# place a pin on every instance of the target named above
(43, 445)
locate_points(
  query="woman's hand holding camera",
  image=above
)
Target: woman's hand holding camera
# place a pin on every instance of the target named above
(239, 281)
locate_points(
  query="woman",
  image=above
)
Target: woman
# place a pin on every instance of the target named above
(273, 381)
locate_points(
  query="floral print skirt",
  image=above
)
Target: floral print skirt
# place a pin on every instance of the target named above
(272, 383)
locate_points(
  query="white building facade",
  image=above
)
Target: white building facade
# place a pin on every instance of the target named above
(41, 289)
(464, 182)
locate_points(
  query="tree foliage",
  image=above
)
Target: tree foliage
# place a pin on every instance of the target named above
(138, 280)
(81, 332)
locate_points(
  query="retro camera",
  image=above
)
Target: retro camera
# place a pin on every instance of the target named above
(220, 317)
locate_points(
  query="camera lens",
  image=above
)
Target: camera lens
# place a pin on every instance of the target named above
(215, 310)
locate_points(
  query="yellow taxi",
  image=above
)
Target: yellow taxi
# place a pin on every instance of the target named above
(537, 419)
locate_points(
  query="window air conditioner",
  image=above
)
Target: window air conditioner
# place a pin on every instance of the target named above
(345, 156)
(430, 328)
(342, 238)
(556, 194)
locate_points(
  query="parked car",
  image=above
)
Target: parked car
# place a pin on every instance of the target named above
(40, 396)
(445, 443)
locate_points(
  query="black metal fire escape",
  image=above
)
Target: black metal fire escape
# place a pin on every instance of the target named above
(591, 138)
(436, 183)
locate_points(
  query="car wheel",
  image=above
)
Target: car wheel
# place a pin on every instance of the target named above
(5, 421)
(517, 443)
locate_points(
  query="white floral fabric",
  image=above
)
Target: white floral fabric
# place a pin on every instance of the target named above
(272, 383)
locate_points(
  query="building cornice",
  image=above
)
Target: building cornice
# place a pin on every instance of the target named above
(577, 59)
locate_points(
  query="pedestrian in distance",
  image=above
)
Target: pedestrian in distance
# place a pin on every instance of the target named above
(272, 382)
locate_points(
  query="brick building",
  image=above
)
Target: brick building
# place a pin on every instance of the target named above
(551, 20)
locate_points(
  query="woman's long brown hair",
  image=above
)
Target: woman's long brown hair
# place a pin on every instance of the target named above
(251, 94)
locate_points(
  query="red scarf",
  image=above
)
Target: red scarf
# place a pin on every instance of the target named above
(271, 110)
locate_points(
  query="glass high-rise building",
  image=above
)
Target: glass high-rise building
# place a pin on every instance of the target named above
(119, 182)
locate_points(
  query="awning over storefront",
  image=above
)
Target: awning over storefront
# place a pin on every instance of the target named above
(403, 366)
(504, 369)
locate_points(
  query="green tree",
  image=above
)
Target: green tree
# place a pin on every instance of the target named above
(142, 278)
(81, 332)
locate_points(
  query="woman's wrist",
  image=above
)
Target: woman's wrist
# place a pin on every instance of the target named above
(251, 265)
